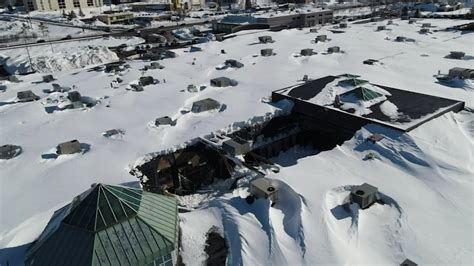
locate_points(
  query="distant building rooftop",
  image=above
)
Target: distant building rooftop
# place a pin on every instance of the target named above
(292, 12)
(236, 19)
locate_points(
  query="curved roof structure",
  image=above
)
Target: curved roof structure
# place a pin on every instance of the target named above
(109, 225)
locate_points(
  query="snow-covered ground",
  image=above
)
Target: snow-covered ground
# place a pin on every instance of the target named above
(426, 173)
(43, 31)
(58, 15)
(461, 11)
(360, 11)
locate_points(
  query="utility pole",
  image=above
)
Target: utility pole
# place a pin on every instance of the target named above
(28, 52)
(29, 19)
(45, 32)
(50, 44)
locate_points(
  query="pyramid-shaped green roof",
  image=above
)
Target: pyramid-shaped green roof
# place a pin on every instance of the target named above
(347, 75)
(354, 82)
(109, 225)
(103, 206)
(363, 94)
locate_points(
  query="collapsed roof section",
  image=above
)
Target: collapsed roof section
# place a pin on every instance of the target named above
(185, 170)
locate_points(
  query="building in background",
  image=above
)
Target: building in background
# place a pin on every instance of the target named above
(55, 5)
(151, 6)
(115, 17)
(234, 23)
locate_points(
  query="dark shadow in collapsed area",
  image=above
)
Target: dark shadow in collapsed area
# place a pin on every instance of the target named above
(185, 170)
(216, 249)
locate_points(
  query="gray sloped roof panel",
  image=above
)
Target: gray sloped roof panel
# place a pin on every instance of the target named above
(51, 228)
(67, 246)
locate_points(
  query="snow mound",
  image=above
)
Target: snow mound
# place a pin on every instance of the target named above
(183, 34)
(66, 60)
(286, 216)
(352, 229)
(389, 109)
(277, 229)
(62, 60)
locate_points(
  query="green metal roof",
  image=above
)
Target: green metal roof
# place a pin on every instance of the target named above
(354, 82)
(109, 225)
(363, 94)
(347, 75)
(102, 207)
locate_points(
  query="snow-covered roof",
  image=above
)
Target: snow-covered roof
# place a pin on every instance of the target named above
(236, 19)
(291, 12)
(396, 108)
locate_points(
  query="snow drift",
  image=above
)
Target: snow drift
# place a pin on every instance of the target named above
(61, 61)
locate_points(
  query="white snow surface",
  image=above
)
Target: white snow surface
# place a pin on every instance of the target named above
(427, 173)
(64, 56)
(44, 31)
(389, 109)
(66, 60)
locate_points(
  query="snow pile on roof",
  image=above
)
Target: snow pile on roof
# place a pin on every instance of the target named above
(361, 98)
(63, 60)
(328, 94)
(66, 60)
(183, 33)
(389, 109)
(359, 103)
